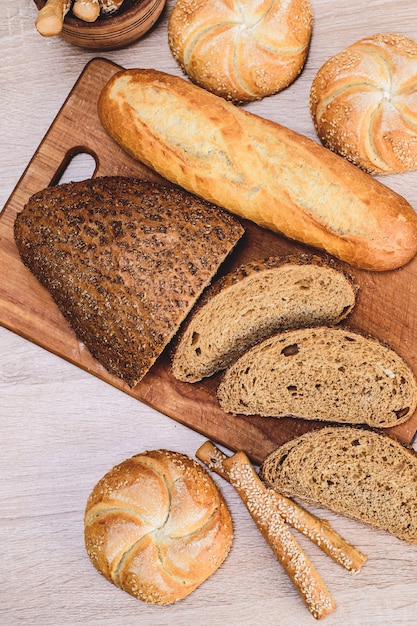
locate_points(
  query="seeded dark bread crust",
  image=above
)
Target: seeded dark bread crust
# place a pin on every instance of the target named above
(363, 103)
(241, 51)
(352, 471)
(125, 260)
(329, 374)
(254, 302)
(157, 526)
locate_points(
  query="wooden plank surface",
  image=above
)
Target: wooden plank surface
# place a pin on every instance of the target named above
(386, 304)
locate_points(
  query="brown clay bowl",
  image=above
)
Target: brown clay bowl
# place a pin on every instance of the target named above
(134, 19)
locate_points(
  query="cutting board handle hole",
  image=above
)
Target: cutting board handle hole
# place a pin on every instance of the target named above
(77, 165)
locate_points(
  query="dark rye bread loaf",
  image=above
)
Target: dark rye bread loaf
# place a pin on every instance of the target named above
(125, 260)
(352, 471)
(330, 374)
(252, 303)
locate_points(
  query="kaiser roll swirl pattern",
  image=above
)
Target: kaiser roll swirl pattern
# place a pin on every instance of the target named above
(157, 526)
(364, 103)
(241, 51)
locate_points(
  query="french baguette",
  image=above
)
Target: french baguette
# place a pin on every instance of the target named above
(258, 169)
(352, 471)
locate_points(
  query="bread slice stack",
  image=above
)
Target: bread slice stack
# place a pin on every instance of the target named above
(125, 261)
(252, 303)
(273, 326)
(352, 471)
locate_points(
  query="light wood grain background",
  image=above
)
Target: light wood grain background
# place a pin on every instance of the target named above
(61, 429)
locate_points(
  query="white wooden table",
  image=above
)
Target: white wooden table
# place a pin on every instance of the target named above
(61, 429)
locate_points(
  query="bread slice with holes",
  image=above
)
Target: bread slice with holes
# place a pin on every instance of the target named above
(330, 374)
(254, 302)
(355, 472)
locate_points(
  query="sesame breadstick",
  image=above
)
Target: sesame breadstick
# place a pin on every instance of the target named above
(86, 10)
(261, 506)
(51, 17)
(317, 530)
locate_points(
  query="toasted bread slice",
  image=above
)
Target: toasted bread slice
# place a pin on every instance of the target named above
(355, 472)
(254, 302)
(330, 374)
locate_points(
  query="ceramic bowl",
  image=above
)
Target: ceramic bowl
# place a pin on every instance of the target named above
(134, 19)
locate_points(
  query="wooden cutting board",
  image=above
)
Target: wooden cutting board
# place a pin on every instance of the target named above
(386, 308)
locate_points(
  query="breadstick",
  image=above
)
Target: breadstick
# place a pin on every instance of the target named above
(86, 10)
(261, 506)
(110, 6)
(317, 530)
(51, 17)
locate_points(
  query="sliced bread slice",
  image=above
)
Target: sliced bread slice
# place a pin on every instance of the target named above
(352, 471)
(254, 302)
(125, 261)
(331, 374)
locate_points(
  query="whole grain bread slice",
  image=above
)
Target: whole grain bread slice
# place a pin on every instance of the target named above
(352, 471)
(254, 302)
(125, 260)
(331, 374)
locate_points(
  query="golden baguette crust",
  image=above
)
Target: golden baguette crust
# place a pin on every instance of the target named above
(258, 169)
(241, 51)
(364, 106)
(354, 472)
(157, 526)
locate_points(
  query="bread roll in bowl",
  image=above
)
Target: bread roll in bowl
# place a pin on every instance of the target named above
(241, 51)
(157, 526)
(364, 103)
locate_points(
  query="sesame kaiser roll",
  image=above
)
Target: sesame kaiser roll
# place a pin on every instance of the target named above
(364, 103)
(241, 51)
(157, 526)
